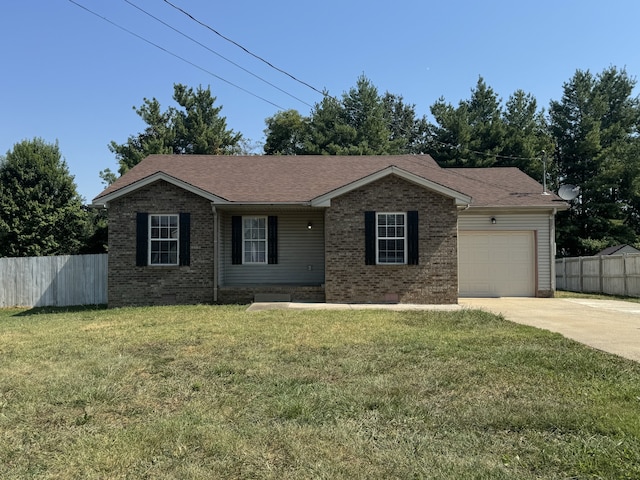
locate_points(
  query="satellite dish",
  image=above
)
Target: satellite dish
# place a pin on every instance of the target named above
(568, 192)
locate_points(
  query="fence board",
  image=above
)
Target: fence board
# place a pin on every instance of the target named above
(610, 274)
(59, 281)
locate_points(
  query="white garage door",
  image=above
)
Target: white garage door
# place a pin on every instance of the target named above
(496, 264)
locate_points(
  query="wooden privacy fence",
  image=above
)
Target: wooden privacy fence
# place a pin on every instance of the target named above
(609, 274)
(58, 281)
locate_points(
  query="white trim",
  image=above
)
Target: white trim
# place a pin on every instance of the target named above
(515, 209)
(325, 199)
(266, 239)
(132, 187)
(404, 238)
(150, 240)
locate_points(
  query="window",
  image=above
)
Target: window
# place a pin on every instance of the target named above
(254, 239)
(391, 238)
(163, 239)
(391, 243)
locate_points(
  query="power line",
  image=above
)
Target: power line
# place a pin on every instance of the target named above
(176, 55)
(216, 53)
(243, 89)
(486, 154)
(243, 48)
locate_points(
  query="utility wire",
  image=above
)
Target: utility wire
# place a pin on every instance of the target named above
(486, 154)
(175, 55)
(216, 53)
(243, 48)
(447, 145)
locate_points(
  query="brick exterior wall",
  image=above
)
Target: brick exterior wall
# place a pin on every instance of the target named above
(433, 281)
(132, 285)
(347, 278)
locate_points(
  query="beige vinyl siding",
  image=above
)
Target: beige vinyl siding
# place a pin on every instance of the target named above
(300, 251)
(539, 223)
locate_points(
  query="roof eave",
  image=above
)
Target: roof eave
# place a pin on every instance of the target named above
(103, 200)
(546, 207)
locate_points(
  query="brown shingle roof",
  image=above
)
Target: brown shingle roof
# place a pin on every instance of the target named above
(294, 179)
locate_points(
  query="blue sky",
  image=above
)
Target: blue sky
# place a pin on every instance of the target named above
(70, 76)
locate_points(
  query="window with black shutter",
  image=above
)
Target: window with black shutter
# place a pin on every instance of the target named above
(163, 239)
(391, 238)
(254, 240)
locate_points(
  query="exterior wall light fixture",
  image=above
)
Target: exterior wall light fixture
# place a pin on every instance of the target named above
(309, 226)
(493, 220)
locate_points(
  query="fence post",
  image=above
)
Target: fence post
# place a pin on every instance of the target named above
(624, 274)
(600, 274)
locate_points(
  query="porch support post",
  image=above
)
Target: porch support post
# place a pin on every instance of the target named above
(216, 233)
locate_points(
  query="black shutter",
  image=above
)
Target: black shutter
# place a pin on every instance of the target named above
(412, 238)
(272, 240)
(370, 238)
(142, 239)
(236, 240)
(185, 239)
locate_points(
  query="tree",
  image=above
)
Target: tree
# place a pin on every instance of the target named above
(595, 127)
(328, 133)
(526, 137)
(286, 132)
(471, 135)
(362, 122)
(363, 110)
(195, 128)
(41, 212)
(408, 133)
(480, 132)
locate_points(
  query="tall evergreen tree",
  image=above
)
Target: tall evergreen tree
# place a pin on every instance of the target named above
(408, 133)
(595, 127)
(526, 140)
(41, 212)
(472, 134)
(196, 127)
(480, 132)
(361, 122)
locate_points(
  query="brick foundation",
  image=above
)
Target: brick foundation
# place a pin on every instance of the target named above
(246, 294)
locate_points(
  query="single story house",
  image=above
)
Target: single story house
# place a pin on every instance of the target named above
(356, 229)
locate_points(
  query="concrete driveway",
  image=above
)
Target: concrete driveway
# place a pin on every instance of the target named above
(609, 325)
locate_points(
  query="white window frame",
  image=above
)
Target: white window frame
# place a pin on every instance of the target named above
(264, 240)
(394, 238)
(173, 239)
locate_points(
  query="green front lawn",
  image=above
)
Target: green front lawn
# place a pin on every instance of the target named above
(218, 392)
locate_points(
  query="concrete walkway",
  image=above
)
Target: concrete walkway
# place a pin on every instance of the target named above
(609, 325)
(255, 307)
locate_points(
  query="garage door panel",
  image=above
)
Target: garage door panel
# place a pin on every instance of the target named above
(496, 263)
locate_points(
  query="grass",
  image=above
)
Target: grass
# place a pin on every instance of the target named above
(218, 392)
(595, 296)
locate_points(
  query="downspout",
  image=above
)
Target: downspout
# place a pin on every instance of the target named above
(216, 232)
(552, 246)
